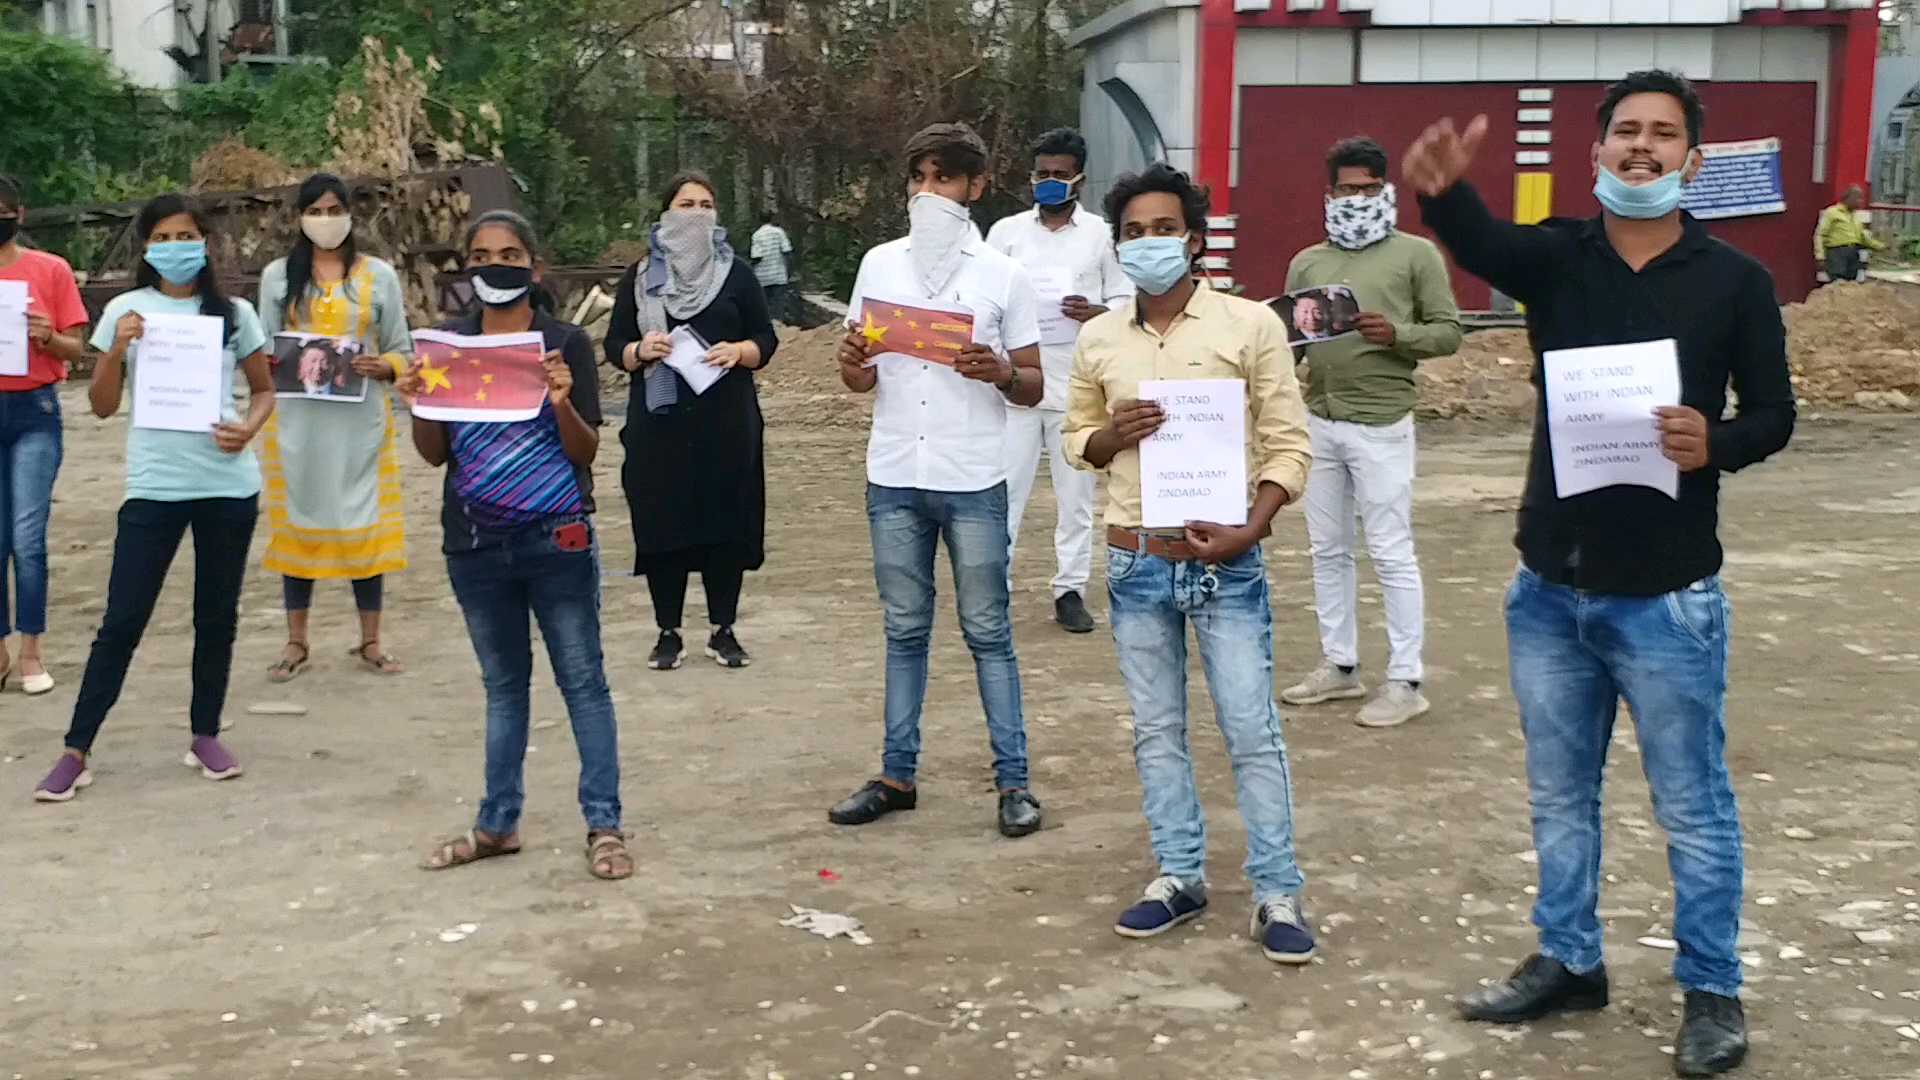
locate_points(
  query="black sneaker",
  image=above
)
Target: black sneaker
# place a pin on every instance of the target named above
(667, 652)
(1071, 613)
(724, 649)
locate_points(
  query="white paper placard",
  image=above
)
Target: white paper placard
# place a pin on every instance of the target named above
(13, 327)
(1195, 467)
(1051, 286)
(179, 373)
(1600, 421)
(689, 358)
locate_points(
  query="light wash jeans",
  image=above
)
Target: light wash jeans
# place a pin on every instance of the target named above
(1369, 468)
(906, 523)
(498, 587)
(1153, 600)
(1574, 655)
(1031, 434)
(30, 452)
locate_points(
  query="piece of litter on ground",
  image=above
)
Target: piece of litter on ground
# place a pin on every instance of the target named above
(1162, 1040)
(1792, 952)
(1764, 777)
(1767, 901)
(467, 927)
(1795, 832)
(1874, 937)
(451, 936)
(826, 924)
(1908, 1032)
(228, 1018)
(829, 876)
(545, 1059)
(276, 708)
(596, 1022)
(569, 1005)
(517, 1058)
(530, 1006)
(1658, 943)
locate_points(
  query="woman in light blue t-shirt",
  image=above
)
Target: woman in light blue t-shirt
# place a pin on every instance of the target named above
(207, 481)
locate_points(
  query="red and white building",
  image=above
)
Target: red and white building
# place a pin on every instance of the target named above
(1248, 94)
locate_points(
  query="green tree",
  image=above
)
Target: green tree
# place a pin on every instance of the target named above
(70, 118)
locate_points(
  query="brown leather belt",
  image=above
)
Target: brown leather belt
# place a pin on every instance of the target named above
(1165, 547)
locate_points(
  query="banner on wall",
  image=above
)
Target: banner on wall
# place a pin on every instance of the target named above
(1738, 179)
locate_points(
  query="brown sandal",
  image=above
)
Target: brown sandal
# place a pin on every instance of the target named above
(287, 669)
(607, 856)
(469, 848)
(383, 664)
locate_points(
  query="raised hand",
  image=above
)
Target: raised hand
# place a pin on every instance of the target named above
(1440, 156)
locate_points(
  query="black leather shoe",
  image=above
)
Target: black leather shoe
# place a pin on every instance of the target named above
(1071, 613)
(1539, 986)
(871, 803)
(1019, 813)
(1713, 1037)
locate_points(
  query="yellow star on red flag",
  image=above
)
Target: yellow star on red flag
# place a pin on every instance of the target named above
(433, 377)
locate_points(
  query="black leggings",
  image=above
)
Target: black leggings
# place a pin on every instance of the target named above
(143, 548)
(298, 592)
(669, 589)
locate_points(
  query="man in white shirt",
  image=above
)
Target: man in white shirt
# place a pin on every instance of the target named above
(935, 464)
(1068, 252)
(772, 255)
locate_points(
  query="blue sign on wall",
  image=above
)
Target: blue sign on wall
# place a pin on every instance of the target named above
(1739, 179)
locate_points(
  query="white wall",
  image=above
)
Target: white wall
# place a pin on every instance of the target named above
(135, 33)
(1155, 56)
(1583, 12)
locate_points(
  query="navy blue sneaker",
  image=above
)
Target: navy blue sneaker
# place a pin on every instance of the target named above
(1167, 903)
(1282, 931)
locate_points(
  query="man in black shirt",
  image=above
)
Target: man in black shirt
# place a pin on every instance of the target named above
(1618, 593)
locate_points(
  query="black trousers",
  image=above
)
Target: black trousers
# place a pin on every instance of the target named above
(669, 589)
(149, 534)
(1846, 263)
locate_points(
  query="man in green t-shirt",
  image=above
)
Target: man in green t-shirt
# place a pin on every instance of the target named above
(1360, 398)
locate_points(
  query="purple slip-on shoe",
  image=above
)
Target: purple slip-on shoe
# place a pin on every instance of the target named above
(69, 775)
(212, 759)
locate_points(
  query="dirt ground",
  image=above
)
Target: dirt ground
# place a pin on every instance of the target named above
(276, 926)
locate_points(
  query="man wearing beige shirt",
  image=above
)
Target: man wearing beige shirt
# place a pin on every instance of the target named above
(1209, 575)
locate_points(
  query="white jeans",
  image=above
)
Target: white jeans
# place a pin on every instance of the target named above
(1029, 433)
(1369, 469)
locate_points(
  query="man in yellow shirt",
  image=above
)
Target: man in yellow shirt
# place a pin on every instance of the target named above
(1207, 574)
(1840, 242)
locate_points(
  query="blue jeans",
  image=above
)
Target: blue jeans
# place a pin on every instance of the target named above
(1152, 602)
(30, 451)
(905, 523)
(498, 586)
(1574, 655)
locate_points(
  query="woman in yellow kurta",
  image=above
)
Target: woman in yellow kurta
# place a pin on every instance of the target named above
(331, 467)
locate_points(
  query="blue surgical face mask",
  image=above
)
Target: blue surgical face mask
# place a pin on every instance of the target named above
(1641, 202)
(1155, 263)
(1052, 193)
(179, 262)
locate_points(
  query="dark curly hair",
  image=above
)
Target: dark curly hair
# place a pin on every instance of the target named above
(1159, 178)
(1656, 82)
(1064, 142)
(1356, 152)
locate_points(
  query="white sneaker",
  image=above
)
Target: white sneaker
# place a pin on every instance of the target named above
(1395, 704)
(1327, 683)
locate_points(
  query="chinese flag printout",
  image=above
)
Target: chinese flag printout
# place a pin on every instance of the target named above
(485, 379)
(933, 334)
